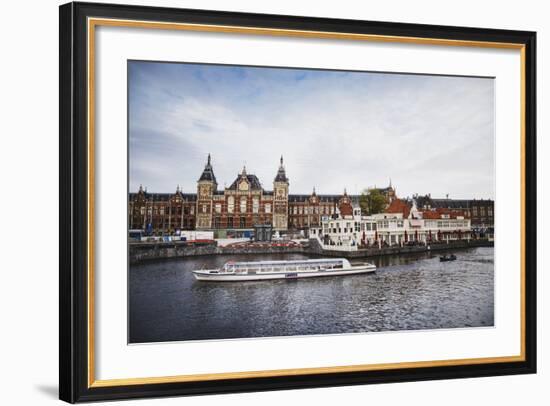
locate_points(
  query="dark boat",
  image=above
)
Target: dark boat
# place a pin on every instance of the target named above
(446, 258)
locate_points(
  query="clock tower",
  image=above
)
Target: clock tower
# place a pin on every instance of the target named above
(280, 199)
(206, 186)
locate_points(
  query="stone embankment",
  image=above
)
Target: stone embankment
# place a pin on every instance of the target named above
(146, 251)
(315, 247)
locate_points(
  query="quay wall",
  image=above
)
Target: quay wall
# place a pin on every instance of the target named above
(140, 252)
(147, 251)
(315, 247)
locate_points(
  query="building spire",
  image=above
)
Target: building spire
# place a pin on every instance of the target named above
(281, 173)
(208, 172)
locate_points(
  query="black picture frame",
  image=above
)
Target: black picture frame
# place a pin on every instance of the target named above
(74, 385)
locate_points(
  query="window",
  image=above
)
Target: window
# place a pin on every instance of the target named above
(204, 208)
(162, 211)
(218, 208)
(142, 211)
(242, 222)
(216, 222)
(255, 205)
(482, 211)
(243, 205)
(267, 208)
(230, 204)
(490, 211)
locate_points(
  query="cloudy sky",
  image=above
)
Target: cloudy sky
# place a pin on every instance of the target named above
(335, 129)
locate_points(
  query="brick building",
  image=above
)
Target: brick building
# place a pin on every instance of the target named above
(480, 211)
(245, 204)
(241, 206)
(161, 211)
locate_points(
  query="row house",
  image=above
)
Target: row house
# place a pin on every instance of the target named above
(400, 224)
(480, 211)
(161, 211)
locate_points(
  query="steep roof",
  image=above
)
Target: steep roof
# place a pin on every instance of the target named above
(428, 201)
(346, 209)
(440, 211)
(399, 206)
(281, 174)
(161, 197)
(298, 198)
(208, 172)
(252, 180)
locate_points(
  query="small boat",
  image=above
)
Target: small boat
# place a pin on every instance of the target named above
(293, 269)
(446, 258)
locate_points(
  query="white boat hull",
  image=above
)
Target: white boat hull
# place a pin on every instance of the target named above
(234, 277)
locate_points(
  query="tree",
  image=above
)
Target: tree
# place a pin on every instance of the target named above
(372, 201)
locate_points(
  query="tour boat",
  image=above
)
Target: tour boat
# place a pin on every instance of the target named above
(294, 269)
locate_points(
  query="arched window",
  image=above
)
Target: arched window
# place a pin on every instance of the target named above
(230, 204)
(243, 205)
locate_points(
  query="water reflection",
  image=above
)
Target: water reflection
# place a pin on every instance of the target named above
(406, 292)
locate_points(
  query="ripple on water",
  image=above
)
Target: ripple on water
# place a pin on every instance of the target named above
(410, 292)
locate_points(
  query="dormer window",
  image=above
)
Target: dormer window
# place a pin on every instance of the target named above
(243, 186)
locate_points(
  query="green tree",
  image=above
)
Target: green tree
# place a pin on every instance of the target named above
(372, 201)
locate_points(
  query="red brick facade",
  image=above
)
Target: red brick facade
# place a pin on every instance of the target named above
(240, 206)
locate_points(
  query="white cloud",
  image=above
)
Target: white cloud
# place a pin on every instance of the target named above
(430, 134)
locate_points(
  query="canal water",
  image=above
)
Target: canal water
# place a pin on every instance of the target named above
(417, 291)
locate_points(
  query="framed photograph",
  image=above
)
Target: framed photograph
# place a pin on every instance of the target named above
(255, 202)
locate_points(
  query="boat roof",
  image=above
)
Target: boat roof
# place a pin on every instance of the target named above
(291, 261)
